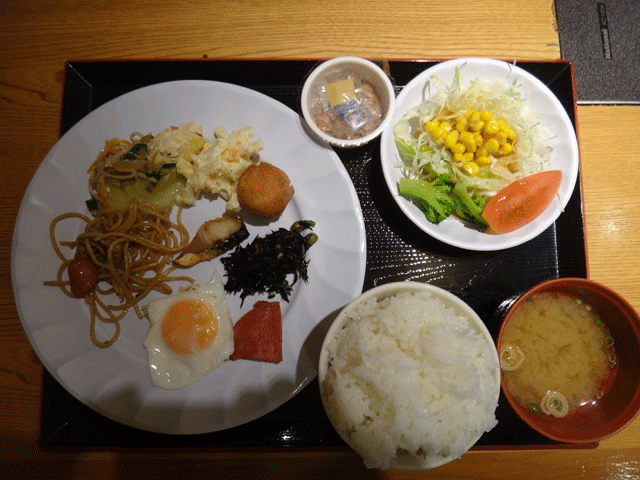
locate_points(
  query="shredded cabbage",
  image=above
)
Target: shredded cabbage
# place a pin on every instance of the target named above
(421, 155)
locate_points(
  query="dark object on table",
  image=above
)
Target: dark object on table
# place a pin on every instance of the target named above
(601, 40)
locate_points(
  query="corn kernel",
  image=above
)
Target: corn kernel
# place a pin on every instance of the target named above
(470, 147)
(431, 126)
(491, 145)
(481, 152)
(511, 135)
(467, 157)
(457, 157)
(491, 128)
(469, 143)
(501, 137)
(506, 149)
(438, 133)
(486, 115)
(502, 123)
(514, 167)
(474, 118)
(458, 148)
(478, 126)
(483, 160)
(446, 125)
(471, 168)
(479, 139)
(461, 123)
(451, 138)
(466, 136)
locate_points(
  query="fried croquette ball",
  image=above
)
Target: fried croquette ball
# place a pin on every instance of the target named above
(264, 190)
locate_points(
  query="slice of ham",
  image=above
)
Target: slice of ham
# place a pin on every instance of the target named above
(258, 334)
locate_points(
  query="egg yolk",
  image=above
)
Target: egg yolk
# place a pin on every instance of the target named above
(189, 326)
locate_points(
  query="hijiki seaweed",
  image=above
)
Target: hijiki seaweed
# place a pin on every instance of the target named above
(263, 266)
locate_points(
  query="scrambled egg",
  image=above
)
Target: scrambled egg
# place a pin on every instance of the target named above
(207, 166)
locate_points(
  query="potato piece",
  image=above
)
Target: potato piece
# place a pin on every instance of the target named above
(264, 190)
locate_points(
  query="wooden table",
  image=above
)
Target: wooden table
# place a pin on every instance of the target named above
(37, 38)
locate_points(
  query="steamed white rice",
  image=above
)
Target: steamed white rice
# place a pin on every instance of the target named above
(407, 376)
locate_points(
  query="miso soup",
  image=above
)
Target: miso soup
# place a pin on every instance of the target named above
(556, 354)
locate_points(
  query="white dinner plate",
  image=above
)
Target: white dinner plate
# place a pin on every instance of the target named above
(554, 120)
(115, 381)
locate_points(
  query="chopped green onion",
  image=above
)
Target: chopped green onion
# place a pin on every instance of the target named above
(133, 151)
(159, 174)
(554, 403)
(534, 408)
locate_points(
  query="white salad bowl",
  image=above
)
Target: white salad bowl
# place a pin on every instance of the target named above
(562, 144)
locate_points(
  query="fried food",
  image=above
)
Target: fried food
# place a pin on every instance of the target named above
(264, 190)
(213, 238)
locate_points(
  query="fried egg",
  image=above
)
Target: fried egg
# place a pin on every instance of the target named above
(190, 334)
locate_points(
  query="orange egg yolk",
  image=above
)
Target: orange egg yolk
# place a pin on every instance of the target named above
(189, 326)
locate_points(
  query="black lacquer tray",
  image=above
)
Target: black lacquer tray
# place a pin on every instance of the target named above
(396, 250)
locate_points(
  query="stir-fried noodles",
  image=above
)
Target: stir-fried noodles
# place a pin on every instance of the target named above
(132, 249)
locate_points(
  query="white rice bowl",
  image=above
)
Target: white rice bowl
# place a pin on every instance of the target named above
(409, 376)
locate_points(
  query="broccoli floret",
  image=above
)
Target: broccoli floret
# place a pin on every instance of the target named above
(469, 207)
(433, 198)
(443, 184)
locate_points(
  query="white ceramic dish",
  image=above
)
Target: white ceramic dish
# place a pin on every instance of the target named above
(553, 116)
(115, 381)
(366, 70)
(388, 290)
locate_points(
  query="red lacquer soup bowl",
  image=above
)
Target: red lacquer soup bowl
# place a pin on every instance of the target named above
(621, 400)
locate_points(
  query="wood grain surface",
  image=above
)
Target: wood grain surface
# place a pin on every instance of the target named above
(37, 38)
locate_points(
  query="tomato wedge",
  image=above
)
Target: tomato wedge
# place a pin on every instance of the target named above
(521, 201)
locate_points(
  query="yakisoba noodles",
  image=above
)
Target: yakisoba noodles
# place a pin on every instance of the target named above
(132, 249)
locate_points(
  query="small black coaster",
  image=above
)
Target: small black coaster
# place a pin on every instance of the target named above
(602, 40)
